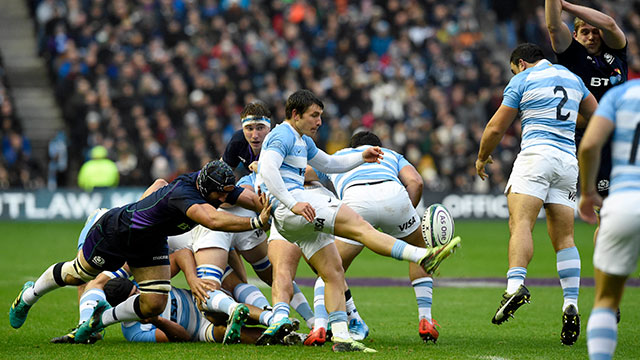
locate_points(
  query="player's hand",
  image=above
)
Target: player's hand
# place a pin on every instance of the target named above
(265, 213)
(304, 209)
(373, 154)
(586, 207)
(253, 167)
(200, 287)
(480, 167)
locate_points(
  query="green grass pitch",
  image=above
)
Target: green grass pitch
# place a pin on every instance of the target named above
(464, 313)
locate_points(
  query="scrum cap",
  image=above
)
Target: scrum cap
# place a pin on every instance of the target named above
(215, 176)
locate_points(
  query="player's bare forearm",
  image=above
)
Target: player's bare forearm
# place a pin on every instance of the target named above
(170, 331)
(611, 32)
(559, 32)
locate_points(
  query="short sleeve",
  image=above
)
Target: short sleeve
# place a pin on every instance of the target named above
(512, 95)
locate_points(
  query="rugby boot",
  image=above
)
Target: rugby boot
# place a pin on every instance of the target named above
(275, 333)
(427, 330)
(317, 337)
(19, 309)
(349, 345)
(94, 325)
(235, 323)
(70, 338)
(570, 325)
(358, 329)
(510, 303)
(436, 255)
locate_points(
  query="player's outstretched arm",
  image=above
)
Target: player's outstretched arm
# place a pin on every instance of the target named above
(206, 215)
(559, 32)
(331, 164)
(184, 260)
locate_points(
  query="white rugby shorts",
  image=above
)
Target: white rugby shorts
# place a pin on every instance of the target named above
(205, 238)
(618, 243)
(309, 236)
(385, 205)
(547, 173)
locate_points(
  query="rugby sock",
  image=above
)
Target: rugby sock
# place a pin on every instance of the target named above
(338, 322)
(423, 287)
(211, 272)
(321, 318)
(250, 294)
(403, 251)
(262, 264)
(266, 318)
(568, 265)
(219, 301)
(301, 305)
(602, 333)
(280, 311)
(128, 310)
(88, 301)
(515, 278)
(45, 283)
(352, 312)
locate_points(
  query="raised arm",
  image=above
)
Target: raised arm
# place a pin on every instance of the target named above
(612, 35)
(412, 181)
(559, 32)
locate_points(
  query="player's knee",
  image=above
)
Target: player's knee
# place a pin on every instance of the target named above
(153, 296)
(332, 274)
(152, 304)
(71, 273)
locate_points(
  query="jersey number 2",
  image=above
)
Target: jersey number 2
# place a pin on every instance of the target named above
(561, 104)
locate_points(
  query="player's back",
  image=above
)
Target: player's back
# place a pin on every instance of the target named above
(162, 213)
(388, 169)
(548, 97)
(622, 105)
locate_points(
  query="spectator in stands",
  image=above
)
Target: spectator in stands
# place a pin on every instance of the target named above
(99, 171)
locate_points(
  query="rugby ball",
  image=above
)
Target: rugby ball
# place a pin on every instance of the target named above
(437, 225)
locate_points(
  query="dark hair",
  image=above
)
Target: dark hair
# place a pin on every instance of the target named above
(117, 290)
(256, 108)
(365, 138)
(527, 52)
(300, 102)
(215, 176)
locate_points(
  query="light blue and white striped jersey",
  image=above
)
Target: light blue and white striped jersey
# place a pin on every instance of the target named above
(181, 308)
(548, 97)
(621, 105)
(296, 151)
(388, 169)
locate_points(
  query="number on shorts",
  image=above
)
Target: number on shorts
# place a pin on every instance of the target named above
(561, 104)
(634, 145)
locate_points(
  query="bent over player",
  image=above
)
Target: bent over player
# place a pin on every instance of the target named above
(137, 234)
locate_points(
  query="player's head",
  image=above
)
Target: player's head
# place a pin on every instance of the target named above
(364, 138)
(587, 35)
(118, 290)
(256, 123)
(215, 177)
(303, 109)
(524, 55)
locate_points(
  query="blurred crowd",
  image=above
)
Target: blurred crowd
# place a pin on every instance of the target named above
(18, 169)
(161, 83)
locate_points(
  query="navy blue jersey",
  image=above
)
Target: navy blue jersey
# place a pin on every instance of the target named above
(599, 73)
(137, 232)
(239, 151)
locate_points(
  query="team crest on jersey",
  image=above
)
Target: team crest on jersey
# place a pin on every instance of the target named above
(608, 58)
(98, 260)
(603, 185)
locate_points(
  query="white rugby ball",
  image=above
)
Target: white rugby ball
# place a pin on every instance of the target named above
(437, 225)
